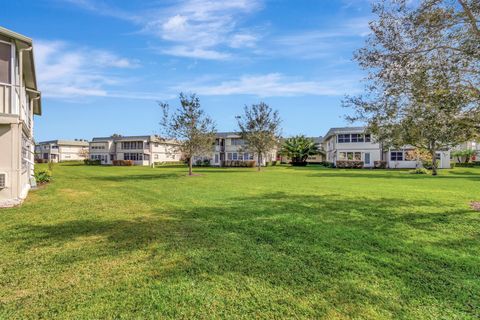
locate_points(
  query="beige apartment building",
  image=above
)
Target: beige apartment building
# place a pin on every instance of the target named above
(142, 150)
(62, 150)
(19, 102)
(229, 146)
(354, 143)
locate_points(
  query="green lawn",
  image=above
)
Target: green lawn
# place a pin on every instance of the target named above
(135, 242)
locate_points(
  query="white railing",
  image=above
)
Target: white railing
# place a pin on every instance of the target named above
(5, 98)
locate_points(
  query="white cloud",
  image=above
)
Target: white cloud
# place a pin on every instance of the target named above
(199, 53)
(275, 85)
(202, 29)
(198, 27)
(66, 71)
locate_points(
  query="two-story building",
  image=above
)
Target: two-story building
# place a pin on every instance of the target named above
(19, 102)
(229, 146)
(142, 150)
(62, 150)
(354, 143)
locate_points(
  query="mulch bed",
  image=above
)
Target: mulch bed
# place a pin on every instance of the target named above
(475, 205)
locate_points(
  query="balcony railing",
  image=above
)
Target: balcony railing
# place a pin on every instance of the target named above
(6, 98)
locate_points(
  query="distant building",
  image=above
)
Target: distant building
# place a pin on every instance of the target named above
(229, 146)
(142, 150)
(19, 102)
(62, 150)
(353, 143)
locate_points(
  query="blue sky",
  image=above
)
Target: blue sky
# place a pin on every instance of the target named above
(102, 65)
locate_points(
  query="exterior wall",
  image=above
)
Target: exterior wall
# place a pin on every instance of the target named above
(16, 161)
(333, 148)
(16, 133)
(102, 150)
(225, 149)
(60, 152)
(152, 151)
(443, 158)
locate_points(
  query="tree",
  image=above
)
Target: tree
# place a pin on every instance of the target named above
(190, 127)
(464, 155)
(299, 148)
(423, 74)
(259, 127)
(83, 153)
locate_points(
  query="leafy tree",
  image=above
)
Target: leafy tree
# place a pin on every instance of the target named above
(190, 127)
(464, 155)
(259, 127)
(299, 148)
(423, 65)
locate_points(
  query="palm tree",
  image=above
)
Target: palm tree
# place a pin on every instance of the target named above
(299, 148)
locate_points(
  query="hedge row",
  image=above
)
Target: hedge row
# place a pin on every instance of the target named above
(350, 164)
(466, 165)
(239, 163)
(90, 162)
(123, 163)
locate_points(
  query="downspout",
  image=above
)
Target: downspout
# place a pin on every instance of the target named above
(20, 67)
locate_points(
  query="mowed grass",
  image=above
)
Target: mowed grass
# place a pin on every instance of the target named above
(135, 242)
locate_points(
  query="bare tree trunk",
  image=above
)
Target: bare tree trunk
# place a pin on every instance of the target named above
(190, 166)
(433, 153)
(259, 164)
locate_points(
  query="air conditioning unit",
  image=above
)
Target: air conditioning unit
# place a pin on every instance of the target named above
(3, 180)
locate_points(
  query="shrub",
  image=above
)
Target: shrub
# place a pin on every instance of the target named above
(465, 165)
(419, 171)
(239, 163)
(429, 164)
(350, 164)
(299, 164)
(380, 164)
(268, 163)
(123, 163)
(274, 163)
(43, 176)
(202, 163)
(41, 160)
(327, 164)
(90, 162)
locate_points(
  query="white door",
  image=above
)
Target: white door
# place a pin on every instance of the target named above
(367, 159)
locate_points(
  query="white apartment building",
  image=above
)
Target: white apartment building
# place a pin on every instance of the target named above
(142, 150)
(229, 146)
(62, 150)
(353, 143)
(19, 102)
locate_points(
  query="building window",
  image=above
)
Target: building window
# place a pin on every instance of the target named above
(343, 138)
(356, 137)
(129, 145)
(238, 142)
(234, 156)
(229, 156)
(368, 138)
(240, 156)
(396, 156)
(133, 156)
(5, 63)
(350, 156)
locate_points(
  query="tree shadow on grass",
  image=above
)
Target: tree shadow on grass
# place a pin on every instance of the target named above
(351, 253)
(394, 175)
(147, 176)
